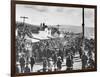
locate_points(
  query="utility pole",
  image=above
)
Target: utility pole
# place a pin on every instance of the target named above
(82, 31)
(83, 23)
(24, 18)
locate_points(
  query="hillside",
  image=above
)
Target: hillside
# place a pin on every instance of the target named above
(89, 31)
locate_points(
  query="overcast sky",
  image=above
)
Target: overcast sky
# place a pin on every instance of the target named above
(53, 15)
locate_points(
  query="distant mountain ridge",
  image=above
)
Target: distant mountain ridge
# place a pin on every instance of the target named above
(89, 31)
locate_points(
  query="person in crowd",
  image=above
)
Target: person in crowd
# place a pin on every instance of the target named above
(72, 60)
(62, 57)
(73, 50)
(54, 60)
(27, 58)
(59, 63)
(80, 51)
(69, 62)
(50, 64)
(45, 64)
(27, 69)
(60, 54)
(91, 63)
(17, 69)
(22, 63)
(89, 53)
(67, 51)
(84, 61)
(32, 62)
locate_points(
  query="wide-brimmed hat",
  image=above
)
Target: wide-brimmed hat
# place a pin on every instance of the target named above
(50, 59)
(59, 57)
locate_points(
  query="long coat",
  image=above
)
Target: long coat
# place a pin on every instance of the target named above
(22, 61)
(59, 63)
(69, 61)
(32, 61)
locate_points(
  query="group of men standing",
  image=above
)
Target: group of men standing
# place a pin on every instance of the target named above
(24, 64)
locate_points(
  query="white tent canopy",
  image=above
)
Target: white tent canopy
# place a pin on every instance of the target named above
(32, 39)
(42, 35)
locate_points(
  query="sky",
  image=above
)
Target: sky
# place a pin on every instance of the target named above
(54, 15)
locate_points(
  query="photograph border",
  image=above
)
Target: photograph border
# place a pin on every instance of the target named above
(13, 40)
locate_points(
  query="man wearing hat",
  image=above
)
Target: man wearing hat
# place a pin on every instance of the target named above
(44, 65)
(59, 63)
(50, 64)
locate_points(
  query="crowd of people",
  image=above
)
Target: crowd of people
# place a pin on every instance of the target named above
(55, 62)
(53, 55)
